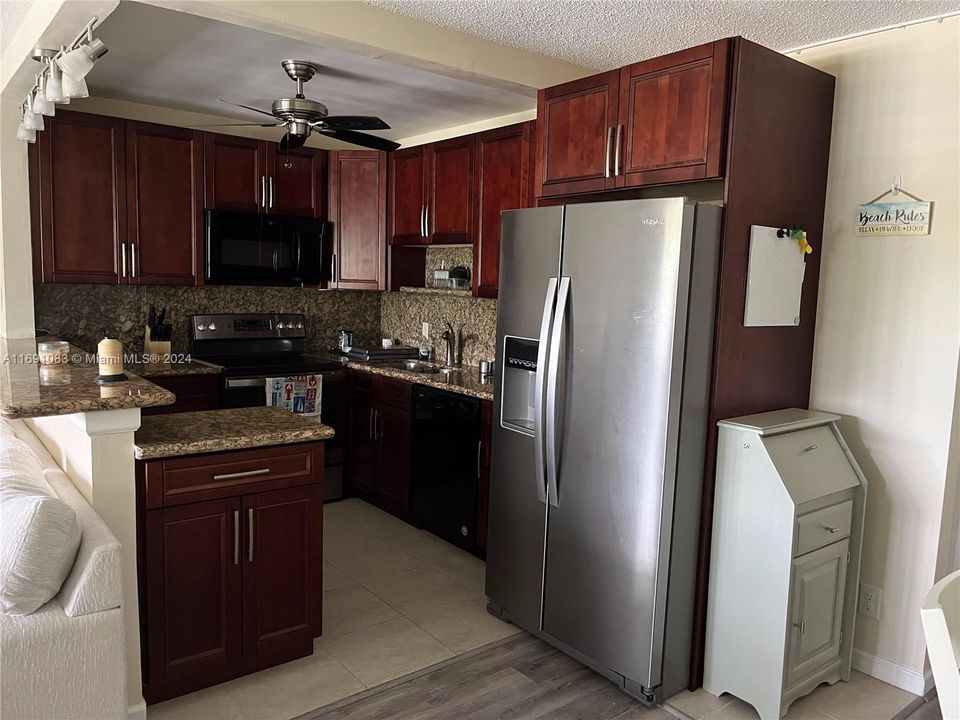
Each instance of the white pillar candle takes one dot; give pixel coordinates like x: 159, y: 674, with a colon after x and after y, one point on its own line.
x: 110, y: 357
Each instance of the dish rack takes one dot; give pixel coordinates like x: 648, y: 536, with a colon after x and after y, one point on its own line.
x: 450, y: 283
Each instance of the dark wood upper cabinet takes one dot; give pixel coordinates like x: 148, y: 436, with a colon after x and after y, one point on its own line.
x: 78, y: 171
x: 296, y: 180
x: 234, y: 173
x: 358, y: 212
x: 672, y: 117
x: 503, y: 182
x: 193, y: 584
x: 283, y: 560
x: 576, y: 128
x: 407, y: 197
x: 450, y: 191
x: 164, y: 185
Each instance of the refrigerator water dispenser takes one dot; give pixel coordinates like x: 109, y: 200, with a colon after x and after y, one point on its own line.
x: 519, y: 383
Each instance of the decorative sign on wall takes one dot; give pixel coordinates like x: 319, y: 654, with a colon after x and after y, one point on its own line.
x: 894, y: 218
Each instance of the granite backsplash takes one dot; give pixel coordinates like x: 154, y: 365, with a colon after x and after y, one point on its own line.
x: 84, y: 314
x: 474, y: 320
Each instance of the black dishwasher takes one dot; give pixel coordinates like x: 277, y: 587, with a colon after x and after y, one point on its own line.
x: 446, y: 445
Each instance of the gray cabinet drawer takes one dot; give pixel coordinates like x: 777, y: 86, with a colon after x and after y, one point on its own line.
x: 822, y: 527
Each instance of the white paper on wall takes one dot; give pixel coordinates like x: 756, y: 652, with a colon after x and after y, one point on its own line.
x: 774, y: 279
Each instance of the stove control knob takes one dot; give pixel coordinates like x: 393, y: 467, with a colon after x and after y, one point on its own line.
x: 201, y: 327
x: 212, y: 326
x: 299, y: 326
x: 280, y: 325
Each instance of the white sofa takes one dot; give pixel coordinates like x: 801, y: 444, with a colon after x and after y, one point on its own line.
x: 66, y: 660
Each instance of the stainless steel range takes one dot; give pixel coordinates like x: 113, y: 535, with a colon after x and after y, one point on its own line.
x: 251, y: 347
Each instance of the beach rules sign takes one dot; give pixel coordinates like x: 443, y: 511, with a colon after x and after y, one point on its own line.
x: 889, y: 218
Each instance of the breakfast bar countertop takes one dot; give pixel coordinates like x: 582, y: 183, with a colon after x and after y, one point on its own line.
x: 206, y: 431
x: 28, y: 389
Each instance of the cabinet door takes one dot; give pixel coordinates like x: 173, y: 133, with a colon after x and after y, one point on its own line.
x: 78, y: 169
x: 164, y: 204
x: 483, y: 473
x: 575, y: 134
x: 192, y: 568
x: 235, y: 175
x: 358, y: 211
x: 450, y: 191
x: 282, y: 565
x: 296, y: 180
x: 818, y: 580
x: 361, y: 448
x: 392, y: 429
x: 407, y: 201
x: 672, y: 113
x: 503, y: 183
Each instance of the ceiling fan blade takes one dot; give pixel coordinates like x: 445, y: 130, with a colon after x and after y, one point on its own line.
x: 269, y: 125
x: 291, y: 141
x: 361, y: 139
x: 247, y: 107
x: 353, y: 122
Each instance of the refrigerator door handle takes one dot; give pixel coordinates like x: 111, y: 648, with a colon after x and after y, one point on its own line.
x: 541, y: 377
x: 553, y: 370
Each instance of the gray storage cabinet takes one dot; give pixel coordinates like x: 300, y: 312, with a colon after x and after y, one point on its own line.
x: 784, y: 570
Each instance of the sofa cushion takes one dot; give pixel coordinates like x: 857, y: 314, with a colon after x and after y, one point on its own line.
x: 39, y: 533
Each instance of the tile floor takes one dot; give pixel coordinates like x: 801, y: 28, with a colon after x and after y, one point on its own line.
x: 863, y: 698
x: 395, y: 600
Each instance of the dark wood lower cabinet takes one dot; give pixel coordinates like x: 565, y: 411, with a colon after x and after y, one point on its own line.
x: 378, y: 448
x: 230, y: 585
x: 194, y: 392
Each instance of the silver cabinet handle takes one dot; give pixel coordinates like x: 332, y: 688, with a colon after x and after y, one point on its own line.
x: 606, y: 152
x: 236, y: 537
x: 426, y: 220
x: 540, y: 380
x: 831, y: 530
x: 377, y: 431
x: 333, y: 267
x: 245, y: 473
x: 423, y: 220
x: 802, y: 626
x: 616, y: 151
x: 811, y: 448
x: 133, y: 260
x: 479, y: 450
x: 370, y: 425
x: 553, y: 370
x: 123, y: 259
x: 263, y: 191
x: 250, y: 535
x: 245, y: 382
x: 273, y: 191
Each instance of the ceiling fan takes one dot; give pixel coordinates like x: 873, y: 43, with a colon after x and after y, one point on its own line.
x: 301, y: 116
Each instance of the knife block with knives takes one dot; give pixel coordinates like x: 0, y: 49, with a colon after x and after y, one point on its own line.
x: 156, y: 335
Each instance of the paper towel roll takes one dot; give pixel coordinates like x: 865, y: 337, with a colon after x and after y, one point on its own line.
x: 110, y: 360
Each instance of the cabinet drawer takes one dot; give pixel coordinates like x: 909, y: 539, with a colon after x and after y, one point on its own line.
x: 395, y: 392
x: 822, y: 527
x: 207, y: 477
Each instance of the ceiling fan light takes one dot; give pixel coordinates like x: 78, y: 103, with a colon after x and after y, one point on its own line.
x: 40, y: 102
x: 32, y: 120
x: 75, y: 88
x: 79, y: 62
x: 26, y: 134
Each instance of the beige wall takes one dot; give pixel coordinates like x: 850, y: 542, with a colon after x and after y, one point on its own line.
x: 888, y: 326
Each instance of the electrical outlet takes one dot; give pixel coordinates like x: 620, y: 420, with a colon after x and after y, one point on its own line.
x: 869, y: 604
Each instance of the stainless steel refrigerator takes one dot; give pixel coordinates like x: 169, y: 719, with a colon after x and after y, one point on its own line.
x: 604, y: 341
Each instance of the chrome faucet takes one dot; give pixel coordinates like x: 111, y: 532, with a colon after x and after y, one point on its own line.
x: 450, y: 337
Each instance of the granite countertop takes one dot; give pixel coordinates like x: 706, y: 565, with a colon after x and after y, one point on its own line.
x: 205, y: 431
x: 28, y: 389
x: 464, y: 380
x: 186, y: 367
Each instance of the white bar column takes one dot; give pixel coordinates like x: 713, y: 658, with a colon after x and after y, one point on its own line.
x: 96, y: 451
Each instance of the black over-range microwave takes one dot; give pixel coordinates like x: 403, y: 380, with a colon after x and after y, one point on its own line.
x: 253, y: 249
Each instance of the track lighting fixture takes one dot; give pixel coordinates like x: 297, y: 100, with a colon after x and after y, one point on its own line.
x: 62, y: 78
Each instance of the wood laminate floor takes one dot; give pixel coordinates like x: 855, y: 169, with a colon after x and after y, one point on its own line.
x: 522, y: 678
